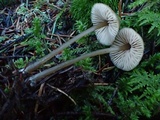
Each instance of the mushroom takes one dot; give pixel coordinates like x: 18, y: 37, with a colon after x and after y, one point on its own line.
x: 107, y: 34
x: 104, y: 22
x: 126, y: 53
x: 127, y: 59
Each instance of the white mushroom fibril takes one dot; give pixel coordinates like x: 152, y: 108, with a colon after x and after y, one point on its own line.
x: 102, y: 13
x: 127, y: 59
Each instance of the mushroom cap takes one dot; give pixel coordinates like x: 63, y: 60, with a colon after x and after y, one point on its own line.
x: 127, y: 59
x: 101, y: 13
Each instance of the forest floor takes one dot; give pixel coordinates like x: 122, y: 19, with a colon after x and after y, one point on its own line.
x: 18, y: 100
x: 49, y: 98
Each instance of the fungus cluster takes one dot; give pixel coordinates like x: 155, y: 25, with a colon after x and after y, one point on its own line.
x: 126, y: 48
x: 125, y: 52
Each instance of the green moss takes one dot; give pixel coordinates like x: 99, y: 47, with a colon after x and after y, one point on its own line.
x: 81, y: 9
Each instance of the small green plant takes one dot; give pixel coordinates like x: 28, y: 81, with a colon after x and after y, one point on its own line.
x: 139, y: 90
x: 20, y: 63
x: 7, y: 90
x: 69, y: 54
x: 22, y: 10
x: 37, y: 27
x: 80, y: 26
x: 145, y: 20
x: 86, y: 64
x: 39, y: 3
x: 2, y: 38
x: 36, y: 42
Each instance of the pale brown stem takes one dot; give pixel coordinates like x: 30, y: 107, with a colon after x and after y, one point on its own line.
x: 35, y: 78
x: 43, y: 60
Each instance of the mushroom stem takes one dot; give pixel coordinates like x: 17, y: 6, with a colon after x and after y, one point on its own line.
x: 43, y: 60
x: 35, y: 78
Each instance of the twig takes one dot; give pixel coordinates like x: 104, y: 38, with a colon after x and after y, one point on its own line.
x: 52, y: 5
x: 20, y: 39
x: 120, y: 8
x: 114, y: 93
x: 12, y: 57
x: 55, y: 22
x: 101, y: 69
x: 39, y: 94
x: 1, y: 91
x: 57, y: 89
x: 101, y: 84
x: 67, y: 36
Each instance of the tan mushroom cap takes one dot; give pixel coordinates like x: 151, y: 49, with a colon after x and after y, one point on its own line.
x: 102, y: 13
x: 127, y: 59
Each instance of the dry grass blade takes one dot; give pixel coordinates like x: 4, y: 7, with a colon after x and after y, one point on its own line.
x: 39, y: 94
x: 57, y: 89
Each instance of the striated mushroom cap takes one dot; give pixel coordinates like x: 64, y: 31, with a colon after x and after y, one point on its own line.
x: 102, y: 13
x: 127, y: 59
